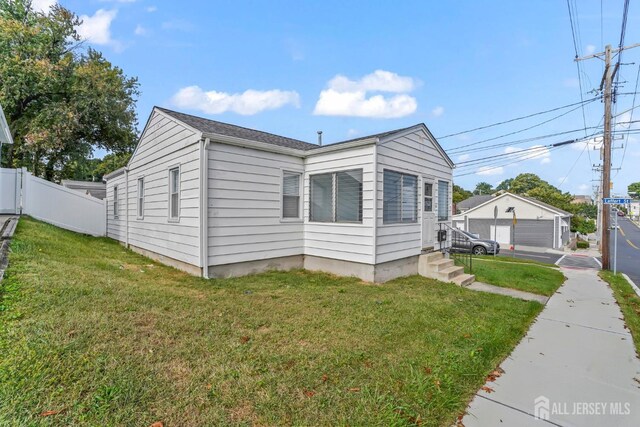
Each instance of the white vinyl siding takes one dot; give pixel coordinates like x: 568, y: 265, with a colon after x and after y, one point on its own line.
x: 410, y: 153
x: 349, y: 241
x: 115, y: 223
x: 245, y: 194
x: 400, y: 197
x: 140, y: 205
x: 336, y: 197
x: 291, y: 195
x: 443, y: 200
x: 164, y: 143
x: 174, y: 193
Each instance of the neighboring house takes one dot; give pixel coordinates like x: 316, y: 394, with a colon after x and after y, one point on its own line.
x: 220, y: 200
x: 634, y: 209
x: 538, y: 224
x: 582, y: 199
x: 95, y: 189
x: 472, y: 202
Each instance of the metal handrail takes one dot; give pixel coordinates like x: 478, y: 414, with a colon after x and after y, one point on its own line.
x: 456, y: 240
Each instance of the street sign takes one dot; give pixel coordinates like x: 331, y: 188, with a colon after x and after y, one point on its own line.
x: 615, y: 201
x: 495, y: 212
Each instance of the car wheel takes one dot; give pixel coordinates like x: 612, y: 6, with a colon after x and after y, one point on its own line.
x: 479, y: 250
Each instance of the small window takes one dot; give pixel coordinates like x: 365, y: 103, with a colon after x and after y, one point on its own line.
x: 140, y: 198
x: 400, y: 198
x: 443, y: 201
x: 291, y: 195
x: 174, y: 193
x: 336, y: 197
x: 115, y: 201
x: 428, y: 197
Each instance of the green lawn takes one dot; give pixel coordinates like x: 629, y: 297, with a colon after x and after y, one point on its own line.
x: 513, y: 260
x: 102, y: 336
x: 628, y: 301
x: 528, y: 277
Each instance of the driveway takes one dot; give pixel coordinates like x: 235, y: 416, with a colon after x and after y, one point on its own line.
x: 628, y: 249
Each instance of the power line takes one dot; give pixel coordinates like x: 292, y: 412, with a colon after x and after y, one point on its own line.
x: 525, y: 129
x: 486, y: 169
x: 515, y: 119
x: 586, y: 148
x: 633, y: 106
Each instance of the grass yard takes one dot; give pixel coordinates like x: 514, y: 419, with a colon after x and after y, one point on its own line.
x: 528, y: 277
x: 628, y: 301
x: 93, y: 334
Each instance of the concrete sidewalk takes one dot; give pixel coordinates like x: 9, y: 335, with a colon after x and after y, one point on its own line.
x: 576, y: 365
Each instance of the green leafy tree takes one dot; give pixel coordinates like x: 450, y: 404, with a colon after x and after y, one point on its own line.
x: 460, y: 194
x: 525, y: 182
x: 109, y: 163
x: 634, y: 189
x: 582, y: 225
x: 61, y: 101
x: 483, y: 188
x: 587, y: 210
x: 505, y: 185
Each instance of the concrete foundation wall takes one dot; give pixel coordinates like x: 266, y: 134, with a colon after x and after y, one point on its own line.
x: 255, y: 267
x: 398, y: 268
x: 171, y: 262
x: 380, y: 273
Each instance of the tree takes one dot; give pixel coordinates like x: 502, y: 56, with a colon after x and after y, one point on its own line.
x: 505, y: 185
x: 526, y: 182
x: 62, y: 101
x: 582, y: 225
x: 109, y: 163
x: 483, y: 188
x: 634, y: 189
x: 460, y: 194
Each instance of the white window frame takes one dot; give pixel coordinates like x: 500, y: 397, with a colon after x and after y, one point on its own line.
x: 334, y: 201
x: 116, y: 206
x: 449, y: 197
x: 169, y: 203
x: 140, y: 198
x: 418, y: 215
x: 426, y: 182
x: 300, y: 195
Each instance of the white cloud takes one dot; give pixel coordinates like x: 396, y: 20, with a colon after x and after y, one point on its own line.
x: 178, y: 25
x: 346, y: 97
x: 583, y: 187
x: 353, y: 132
x: 593, y: 143
x: 43, y: 5
x: 571, y: 82
x: 590, y: 49
x: 438, y: 111
x: 464, y: 157
x: 151, y: 9
x: 96, y: 29
x: 490, y: 170
x: 140, y: 30
x: 246, y: 103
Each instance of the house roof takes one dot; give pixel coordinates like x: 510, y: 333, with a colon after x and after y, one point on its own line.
x: 474, y: 201
x: 220, y: 128
x: 528, y: 199
x: 95, y: 189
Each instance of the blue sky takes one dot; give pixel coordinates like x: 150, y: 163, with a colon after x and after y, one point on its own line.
x: 356, y: 68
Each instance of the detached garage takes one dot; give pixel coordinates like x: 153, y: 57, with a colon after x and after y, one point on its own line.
x: 537, y: 224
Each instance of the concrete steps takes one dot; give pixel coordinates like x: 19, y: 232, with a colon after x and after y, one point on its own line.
x: 436, y: 266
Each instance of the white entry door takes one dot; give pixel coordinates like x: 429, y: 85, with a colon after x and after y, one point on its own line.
x: 503, y: 235
x: 428, y: 215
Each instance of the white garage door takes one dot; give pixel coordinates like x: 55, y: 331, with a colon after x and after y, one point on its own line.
x: 503, y: 235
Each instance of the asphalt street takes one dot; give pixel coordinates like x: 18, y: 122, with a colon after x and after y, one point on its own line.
x: 628, y: 248
x: 534, y: 256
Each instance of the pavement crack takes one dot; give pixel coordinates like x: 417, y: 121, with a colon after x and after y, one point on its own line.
x: 585, y: 326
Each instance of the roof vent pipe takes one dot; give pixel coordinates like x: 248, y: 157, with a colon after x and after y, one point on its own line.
x: 320, y: 138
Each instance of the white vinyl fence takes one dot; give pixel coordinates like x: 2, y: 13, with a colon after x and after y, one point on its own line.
x: 9, y: 191
x: 53, y: 203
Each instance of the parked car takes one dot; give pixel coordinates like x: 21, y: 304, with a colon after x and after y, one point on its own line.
x: 620, y: 213
x: 463, y: 241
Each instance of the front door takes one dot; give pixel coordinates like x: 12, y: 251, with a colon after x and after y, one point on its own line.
x: 428, y: 215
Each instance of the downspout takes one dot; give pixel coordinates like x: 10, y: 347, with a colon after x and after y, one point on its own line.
x: 375, y: 204
x: 204, y: 207
x: 126, y: 208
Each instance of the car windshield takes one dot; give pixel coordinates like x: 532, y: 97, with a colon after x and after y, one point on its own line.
x: 469, y: 235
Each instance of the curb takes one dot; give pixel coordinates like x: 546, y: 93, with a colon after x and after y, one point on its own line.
x: 633, y: 285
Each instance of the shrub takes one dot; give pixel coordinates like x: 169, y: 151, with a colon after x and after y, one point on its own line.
x: 582, y: 244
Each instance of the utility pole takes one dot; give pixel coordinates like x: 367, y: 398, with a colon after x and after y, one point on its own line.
x: 606, y: 85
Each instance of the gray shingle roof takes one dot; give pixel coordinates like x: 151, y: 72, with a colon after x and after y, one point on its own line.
x: 473, y: 201
x: 534, y: 200
x: 220, y: 128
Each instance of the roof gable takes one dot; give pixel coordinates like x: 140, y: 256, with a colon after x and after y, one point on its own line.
x: 525, y: 199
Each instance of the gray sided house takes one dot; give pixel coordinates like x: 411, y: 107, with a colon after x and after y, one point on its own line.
x: 220, y: 200
x: 538, y: 224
